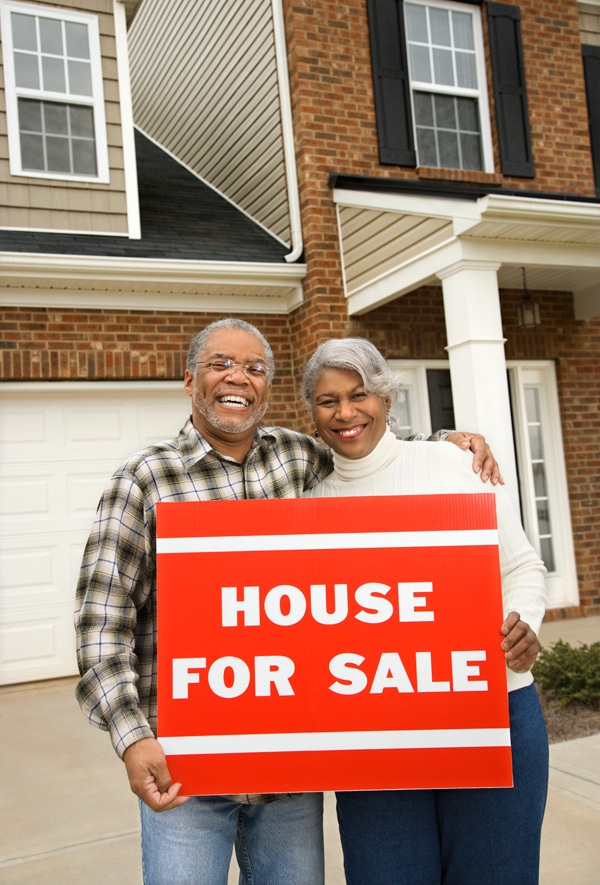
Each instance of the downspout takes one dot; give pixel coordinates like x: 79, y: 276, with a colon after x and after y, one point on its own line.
x: 289, y: 152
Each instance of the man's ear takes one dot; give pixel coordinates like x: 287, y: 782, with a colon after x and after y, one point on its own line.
x: 188, y: 382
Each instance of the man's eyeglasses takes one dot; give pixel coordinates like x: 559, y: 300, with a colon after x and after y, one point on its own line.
x: 228, y: 367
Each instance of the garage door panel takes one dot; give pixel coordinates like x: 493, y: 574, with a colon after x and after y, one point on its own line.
x: 26, y: 572
x: 38, y: 646
x: 156, y: 424
x: 26, y: 428
x: 83, y: 491
x: 23, y: 500
x: 34, y: 569
x: 18, y: 427
x: 95, y: 426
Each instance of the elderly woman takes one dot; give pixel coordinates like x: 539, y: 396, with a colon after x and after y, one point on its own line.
x: 453, y: 836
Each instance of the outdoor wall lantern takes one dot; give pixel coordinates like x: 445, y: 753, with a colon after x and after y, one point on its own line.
x: 529, y: 309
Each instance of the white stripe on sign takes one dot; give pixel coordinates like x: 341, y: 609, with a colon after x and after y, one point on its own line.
x: 433, y: 739
x: 340, y: 541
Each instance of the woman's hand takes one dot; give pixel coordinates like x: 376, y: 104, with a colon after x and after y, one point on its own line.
x: 520, y: 644
x: 483, y: 458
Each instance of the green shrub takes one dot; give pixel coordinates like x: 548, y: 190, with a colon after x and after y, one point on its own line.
x: 570, y: 674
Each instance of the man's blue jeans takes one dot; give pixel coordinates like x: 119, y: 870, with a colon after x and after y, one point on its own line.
x: 455, y: 837
x: 280, y: 843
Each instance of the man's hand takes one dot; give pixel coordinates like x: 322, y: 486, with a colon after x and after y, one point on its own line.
x: 520, y: 644
x: 482, y: 455
x: 149, y: 776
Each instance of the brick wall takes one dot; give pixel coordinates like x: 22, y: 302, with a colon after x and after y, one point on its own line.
x: 106, y: 345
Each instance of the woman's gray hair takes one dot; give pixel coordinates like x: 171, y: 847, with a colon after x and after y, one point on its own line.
x: 357, y: 355
x: 199, y: 344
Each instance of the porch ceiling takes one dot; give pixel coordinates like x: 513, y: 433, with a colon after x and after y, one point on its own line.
x: 394, y: 243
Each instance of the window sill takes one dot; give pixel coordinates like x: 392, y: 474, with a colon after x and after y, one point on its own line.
x: 462, y: 175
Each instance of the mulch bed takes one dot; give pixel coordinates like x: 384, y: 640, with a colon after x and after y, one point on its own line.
x: 570, y: 721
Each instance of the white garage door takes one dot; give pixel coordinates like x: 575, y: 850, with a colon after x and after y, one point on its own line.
x: 59, y: 443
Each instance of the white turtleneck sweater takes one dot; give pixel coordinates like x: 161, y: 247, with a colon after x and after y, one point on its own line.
x: 396, y: 467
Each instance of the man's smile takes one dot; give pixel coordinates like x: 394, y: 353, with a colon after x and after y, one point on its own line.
x: 233, y: 400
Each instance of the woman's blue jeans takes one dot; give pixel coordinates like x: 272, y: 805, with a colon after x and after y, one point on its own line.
x: 280, y: 843
x: 455, y: 837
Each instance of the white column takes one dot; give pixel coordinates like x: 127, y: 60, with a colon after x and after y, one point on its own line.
x: 477, y: 362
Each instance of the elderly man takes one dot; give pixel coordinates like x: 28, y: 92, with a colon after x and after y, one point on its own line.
x: 221, y: 452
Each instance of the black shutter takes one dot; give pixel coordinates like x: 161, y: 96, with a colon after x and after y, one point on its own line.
x: 391, y: 83
x: 591, y: 70
x: 516, y: 156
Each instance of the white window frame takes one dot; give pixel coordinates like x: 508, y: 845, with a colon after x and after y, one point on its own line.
x: 13, y: 93
x: 480, y: 94
x: 561, y: 584
x: 414, y: 380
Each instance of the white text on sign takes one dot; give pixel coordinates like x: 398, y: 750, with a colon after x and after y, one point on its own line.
x: 286, y: 604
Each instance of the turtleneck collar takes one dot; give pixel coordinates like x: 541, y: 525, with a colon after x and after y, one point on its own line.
x: 387, y: 450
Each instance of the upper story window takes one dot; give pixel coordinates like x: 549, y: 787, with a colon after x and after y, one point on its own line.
x: 430, y: 85
x: 448, y: 86
x: 54, y: 94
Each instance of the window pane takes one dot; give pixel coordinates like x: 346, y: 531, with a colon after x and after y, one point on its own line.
x: 532, y: 404
x: 84, y: 157
x: 539, y: 480
x: 442, y: 67
x: 470, y: 149
x: 77, y: 40
x: 82, y: 122
x: 80, y: 77
x: 24, y: 32
x: 467, y: 114
x: 535, y: 442
x: 426, y: 147
x: 57, y: 149
x: 30, y: 115
x: 402, y: 412
x: 440, y: 27
x: 53, y: 72
x: 423, y: 108
x: 420, y: 64
x: 543, y: 517
x: 466, y: 71
x: 55, y: 119
x: 416, y: 23
x: 26, y: 71
x: 445, y: 114
x: 547, y: 554
x: 51, y: 38
x: 32, y: 152
x: 448, y: 146
x: 462, y: 29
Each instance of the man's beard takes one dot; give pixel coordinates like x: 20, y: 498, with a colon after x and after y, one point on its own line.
x: 222, y: 424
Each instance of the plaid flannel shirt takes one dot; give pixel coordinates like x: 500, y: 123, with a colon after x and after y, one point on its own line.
x: 115, y: 616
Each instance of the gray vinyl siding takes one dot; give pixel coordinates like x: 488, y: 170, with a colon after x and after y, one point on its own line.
x: 204, y: 86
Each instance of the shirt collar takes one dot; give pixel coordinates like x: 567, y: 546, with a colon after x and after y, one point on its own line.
x: 194, y: 447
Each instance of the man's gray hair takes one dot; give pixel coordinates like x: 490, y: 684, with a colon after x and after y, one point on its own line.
x: 357, y: 355
x: 199, y: 344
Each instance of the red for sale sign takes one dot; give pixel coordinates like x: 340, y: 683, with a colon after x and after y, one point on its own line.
x: 331, y: 644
